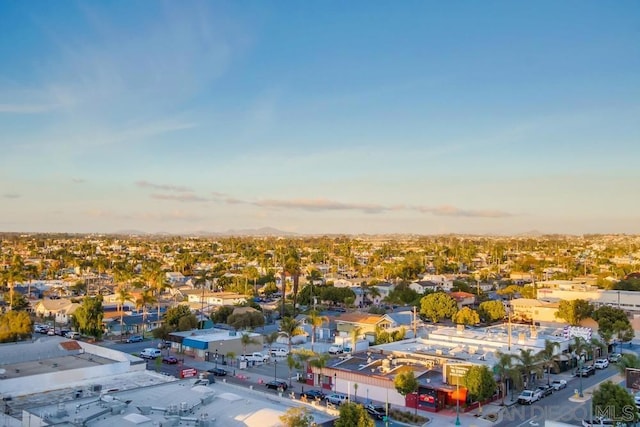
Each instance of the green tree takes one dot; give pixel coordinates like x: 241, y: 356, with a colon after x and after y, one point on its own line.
x: 88, y: 317
x: 245, y: 340
x: 438, y: 306
x: 547, y: 357
x: 315, y: 320
x: 247, y: 320
x: 490, y: 311
x: 296, y: 416
x: 613, y: 321
x: 528, y: 364
x: 354, y: 334
x: 222, y: 314
x: 353, y: 415
x: 405, y: 383
x: 174, y: 315
x: 122, y: 295
x: 480, y: 383
x: 574, y: 311
x: 289, y: 328
x: 14, y: 326
x: 609, y: 396
x: 504, y: 369
x: 628, y: 361
x: 269, y: 339
x: 466, y: 316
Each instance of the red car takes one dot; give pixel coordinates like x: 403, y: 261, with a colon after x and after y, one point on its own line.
x: 170, y: 360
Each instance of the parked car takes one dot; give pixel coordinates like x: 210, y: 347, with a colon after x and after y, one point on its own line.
x: 615, y: 357
x: 586, y: 371
x: 218, y: 372
x: 150, y: 353
x: 336, y: 349
x: 377, y: 411
x: 73, y: 335
x: 279, y: 352
x: 558, y: 384
x: 544, y: 390
x: 336, y: 398
x: 601, y: 364
x: 527, y: 397
x: 313, y: 394
x: 169, y: 360
x: 277, y: 384
x: 598, y: 422
x: 135, y: 338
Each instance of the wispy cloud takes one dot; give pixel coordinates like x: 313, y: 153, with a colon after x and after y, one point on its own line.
x: 179, y: 197
x: 11, y: 196
x: 165, y: 187
x: 320, y: 205
x: 78, y: 180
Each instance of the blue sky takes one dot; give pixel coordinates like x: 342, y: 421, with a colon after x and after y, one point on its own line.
x: 320, y: 117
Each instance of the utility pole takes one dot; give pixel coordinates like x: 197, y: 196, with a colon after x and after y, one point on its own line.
x: 415, y: 324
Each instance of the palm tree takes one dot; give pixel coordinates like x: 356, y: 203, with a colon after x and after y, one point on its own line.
x: 354, y: 334
x: 270, y: 339
x: 122, y: 295
x: 594, y: 344
x: 145, y: 299
x: 292, y: 266
x: 528, y: 364
x: 315, y: 320
x: 201, y: 281
x: 290, y: 327
x: 252, y: 273
x: 547, y: 357
x: 320, y: 362
x: 157, y: 281
x: 245, y: 340
x: 504, y: 368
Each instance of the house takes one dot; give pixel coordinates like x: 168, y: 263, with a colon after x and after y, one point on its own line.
x: 61, y: 309
x: 214, y: 298
x: 464, y: 299
x: 424, y: 286
x: 384, y: 289
x: 365, y: 321
x: 175, y: 277
x: 445, y: 282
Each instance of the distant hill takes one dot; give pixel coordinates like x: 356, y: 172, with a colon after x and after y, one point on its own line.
x: 264, y: 231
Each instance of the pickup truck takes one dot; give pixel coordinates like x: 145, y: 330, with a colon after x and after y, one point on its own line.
x: 255, y: 357
x: 527, y: 397
x: 279, y: 352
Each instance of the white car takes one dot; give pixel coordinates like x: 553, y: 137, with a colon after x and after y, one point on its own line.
x: 527, y: 397
x: 279, y: 352
x: 601, y: 363
x: 558, y: 384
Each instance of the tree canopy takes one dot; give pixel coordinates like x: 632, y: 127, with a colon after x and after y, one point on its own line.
x: 14, y: 326
x: 480, y: 382
x: 614, y: 397
x: 296, y: 416
x: 180, y: 318
x: 353, y: 415
x: 438, y: 306
x: 466, y: 316
x: 613, y: 321
x: 574, y: 311
x: 88, y: 317
x: 490, y: 311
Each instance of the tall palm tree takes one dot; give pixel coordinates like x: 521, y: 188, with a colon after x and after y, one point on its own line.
x: 528, y: 364
x: 245, y: 340
x: 594, y: 344
x: 292, y: 266
x: 144, y: 300
x: 270, y: 339
x: 354, y: 334
x: 290, y: 327
x: 202, y: 281
x: 504, y: 368
x: 547, y: 357
x: 122, y: 295
x: 157, y: 281
x: 316, y: 321
x: 320, y: 362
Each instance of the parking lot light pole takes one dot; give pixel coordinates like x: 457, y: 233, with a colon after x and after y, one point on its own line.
x: 215, y: 357
x: 275, y: 365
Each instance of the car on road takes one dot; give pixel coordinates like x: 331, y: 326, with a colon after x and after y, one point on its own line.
x: 255, y: 357
x: 279, y: 352
x: 313, y: 394
x: 377, y: 411
x: 615, y: 357
x: 558, y: 384
x: 586, y: 371
x: 218, y: 372
x: 72, y: 335
x: 169, y: 360
x: 277, y: 384
x: 135, y: 338
x: 336, y: 398
x: 545, y: 390
x: 601, y: 363
x: 527, y: 397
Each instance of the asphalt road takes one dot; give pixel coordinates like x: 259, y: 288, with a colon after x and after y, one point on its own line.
x: 556, y: 407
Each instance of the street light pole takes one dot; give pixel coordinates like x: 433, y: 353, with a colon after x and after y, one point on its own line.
x: 458, y: 400
x: 275, y: 365
x: 216, y: 358
x: 580, y: 364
